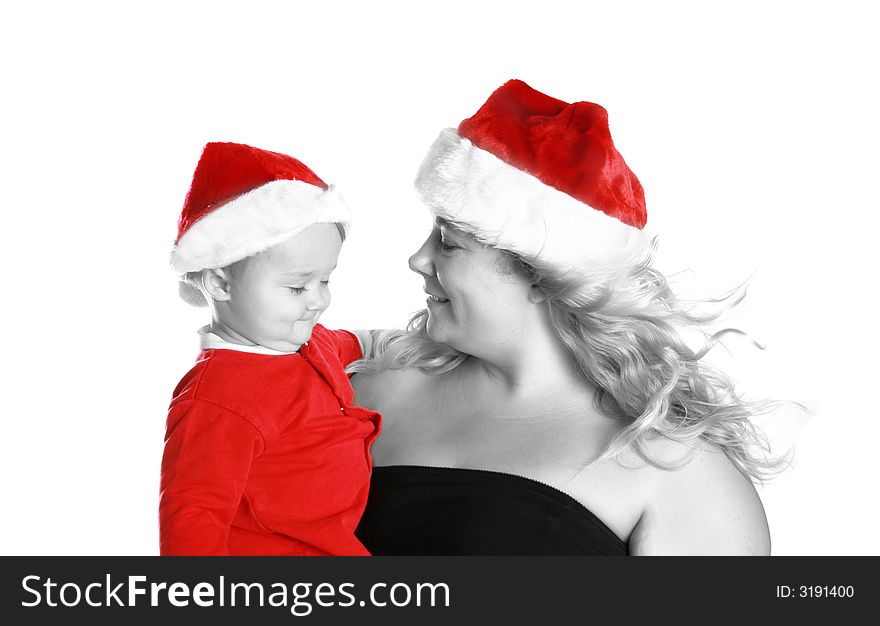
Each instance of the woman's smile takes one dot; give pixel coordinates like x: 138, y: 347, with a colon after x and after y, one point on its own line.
x: 433, y: 297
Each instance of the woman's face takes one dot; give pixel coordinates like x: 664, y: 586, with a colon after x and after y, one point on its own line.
x: 476, y: 303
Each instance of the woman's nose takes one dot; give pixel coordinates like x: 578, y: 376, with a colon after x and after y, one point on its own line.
x: 422, y: 261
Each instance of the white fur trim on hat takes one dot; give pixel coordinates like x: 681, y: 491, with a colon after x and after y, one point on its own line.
x: 509, y: 208
x: 255, y: 221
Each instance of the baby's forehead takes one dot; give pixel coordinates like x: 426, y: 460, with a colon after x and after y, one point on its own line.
x: 289, y: 263
x: 294, y: 258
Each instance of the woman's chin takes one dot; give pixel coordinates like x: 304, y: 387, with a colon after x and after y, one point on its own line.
x: 440, y: 334
x: 434, y: 331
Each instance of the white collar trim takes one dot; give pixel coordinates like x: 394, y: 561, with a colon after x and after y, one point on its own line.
x: 211, y: 341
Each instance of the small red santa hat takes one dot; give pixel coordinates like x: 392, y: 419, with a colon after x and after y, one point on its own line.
x: 244, y: 200
x: 539, y: 177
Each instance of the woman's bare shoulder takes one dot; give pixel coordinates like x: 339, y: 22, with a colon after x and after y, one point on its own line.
x: 705, y: 507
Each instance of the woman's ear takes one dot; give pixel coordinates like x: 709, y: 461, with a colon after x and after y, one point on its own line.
x: 536, y: 294
x: 215, y: 282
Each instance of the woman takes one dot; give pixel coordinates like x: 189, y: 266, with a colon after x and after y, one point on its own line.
x: 544, y: 402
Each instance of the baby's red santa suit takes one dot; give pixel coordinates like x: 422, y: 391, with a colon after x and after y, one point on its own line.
x: 265, y: 452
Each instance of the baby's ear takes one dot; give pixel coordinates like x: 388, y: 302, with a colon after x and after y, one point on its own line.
x: 215, y: 282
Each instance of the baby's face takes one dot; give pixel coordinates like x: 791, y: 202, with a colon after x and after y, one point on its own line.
x: 277, y: 297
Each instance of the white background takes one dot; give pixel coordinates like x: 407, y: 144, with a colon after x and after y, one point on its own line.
x: 753, y: 129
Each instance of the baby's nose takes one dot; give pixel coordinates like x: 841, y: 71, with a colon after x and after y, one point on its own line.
x: 317, y: 301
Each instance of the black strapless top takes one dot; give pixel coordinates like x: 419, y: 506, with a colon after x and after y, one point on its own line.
x: 420, y: 510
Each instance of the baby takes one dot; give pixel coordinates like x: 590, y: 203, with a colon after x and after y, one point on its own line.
x: 265, y: 453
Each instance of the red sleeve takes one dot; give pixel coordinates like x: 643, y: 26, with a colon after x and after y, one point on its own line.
x: 208, y: 455
x: 347, y: 345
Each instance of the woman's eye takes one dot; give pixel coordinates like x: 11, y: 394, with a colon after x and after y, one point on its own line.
x: 325, y: 282
x: 297, y: 290
x: 446, y: 246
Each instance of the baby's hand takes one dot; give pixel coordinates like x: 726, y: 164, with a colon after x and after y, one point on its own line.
x: 365, y: 338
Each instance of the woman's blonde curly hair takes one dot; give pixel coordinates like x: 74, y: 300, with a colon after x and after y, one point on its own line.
x: 624, y: 332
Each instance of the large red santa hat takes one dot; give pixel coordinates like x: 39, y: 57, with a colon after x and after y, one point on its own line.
x: 244, y: 200
x: 540, y: 177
